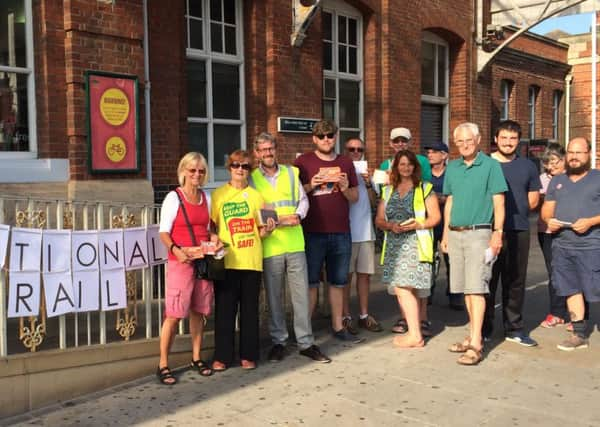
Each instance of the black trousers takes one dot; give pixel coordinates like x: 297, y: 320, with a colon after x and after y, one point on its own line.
x: 239, y: 289
x: 511, y: 269
x: 558, y: 304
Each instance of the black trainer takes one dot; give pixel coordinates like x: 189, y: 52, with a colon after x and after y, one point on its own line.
x: 313, y: 352
x: 277, y: 353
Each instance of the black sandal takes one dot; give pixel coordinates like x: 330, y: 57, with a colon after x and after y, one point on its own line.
x: 165, y: 376
x: 202, y: 367
x: 400, y: 327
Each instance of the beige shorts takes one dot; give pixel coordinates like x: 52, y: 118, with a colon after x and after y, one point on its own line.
x: 469, y: 273
x: 363, y: 258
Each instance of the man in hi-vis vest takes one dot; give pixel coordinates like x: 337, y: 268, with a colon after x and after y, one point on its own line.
x: 283, y: 251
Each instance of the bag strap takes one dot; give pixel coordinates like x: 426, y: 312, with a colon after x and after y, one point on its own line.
x: 187, y: 220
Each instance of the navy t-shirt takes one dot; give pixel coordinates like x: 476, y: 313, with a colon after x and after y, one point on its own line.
x: 522, y: 176
x: 576, y: 200
x: 438, y: 188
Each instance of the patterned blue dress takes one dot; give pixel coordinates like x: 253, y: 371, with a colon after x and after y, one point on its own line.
x: 402, y: 267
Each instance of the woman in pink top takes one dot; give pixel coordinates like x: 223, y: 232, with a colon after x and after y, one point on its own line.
x: 185, y: 294
x: 553, y: 161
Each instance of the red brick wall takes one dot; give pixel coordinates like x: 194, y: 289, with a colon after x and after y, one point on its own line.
x: 70, y: 38
x: 280, y: 80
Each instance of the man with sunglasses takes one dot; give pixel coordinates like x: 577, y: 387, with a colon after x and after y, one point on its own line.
x: 362, y: 261
x: 284, y: 259
x: 331, y: 184
x: 400, y: 140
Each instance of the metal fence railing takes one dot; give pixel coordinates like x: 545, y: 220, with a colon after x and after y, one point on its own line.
x: 140, y: 320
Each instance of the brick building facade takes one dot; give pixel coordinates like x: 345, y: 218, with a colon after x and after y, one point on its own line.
x: 222, y: 71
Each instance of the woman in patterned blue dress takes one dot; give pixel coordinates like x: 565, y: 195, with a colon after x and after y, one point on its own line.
x: 404, y: 271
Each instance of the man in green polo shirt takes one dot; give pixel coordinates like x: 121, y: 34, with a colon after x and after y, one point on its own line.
x: 473, y: 221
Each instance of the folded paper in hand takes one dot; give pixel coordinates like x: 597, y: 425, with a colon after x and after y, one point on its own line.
x: 490, y: 258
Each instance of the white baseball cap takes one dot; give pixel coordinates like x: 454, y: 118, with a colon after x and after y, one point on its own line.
x: 400, y: 132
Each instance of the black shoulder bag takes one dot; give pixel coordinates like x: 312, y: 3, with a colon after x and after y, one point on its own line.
x: 209, y: 267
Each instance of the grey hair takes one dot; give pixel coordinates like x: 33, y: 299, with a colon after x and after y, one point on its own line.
x: 471, y: 127
x: 552, y: 150
x: 264, y: 137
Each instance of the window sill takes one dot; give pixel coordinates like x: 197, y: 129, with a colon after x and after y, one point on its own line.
x: 33, y: 170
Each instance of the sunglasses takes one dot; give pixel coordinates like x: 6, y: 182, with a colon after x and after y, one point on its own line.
x: 328, y: 135
x: 237, y: 165
x: 200, y: 171
x: 356, y: 150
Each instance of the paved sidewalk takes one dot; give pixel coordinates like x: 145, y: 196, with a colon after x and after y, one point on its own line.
x: 373, y: 383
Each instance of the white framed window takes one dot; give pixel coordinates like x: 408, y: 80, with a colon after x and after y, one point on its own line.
x: 532, y: 94
x: 17, y: 81
x: 215, y: 81
x: 505, y: 91
x: 556, y: 98
x: 435, y: 77
x: 343, y: 69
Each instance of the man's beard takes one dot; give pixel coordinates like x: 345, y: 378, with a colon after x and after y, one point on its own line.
x: 578, y: 170
x: 506, y: 153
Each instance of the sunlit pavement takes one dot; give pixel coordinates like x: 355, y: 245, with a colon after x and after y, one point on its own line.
x: 373, y: 383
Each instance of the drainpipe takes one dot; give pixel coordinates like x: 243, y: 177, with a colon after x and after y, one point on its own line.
x: 148, y: 132
x: 594, y: 85
x: 568, y: 80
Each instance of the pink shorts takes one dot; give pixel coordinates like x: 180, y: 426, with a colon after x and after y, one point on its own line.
x: 184, y: 292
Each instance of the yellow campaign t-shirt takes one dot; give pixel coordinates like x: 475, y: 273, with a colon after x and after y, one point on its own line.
x: 235, y: 211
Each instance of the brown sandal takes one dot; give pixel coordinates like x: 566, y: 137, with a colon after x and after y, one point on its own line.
x: 460, y: 347
x: 470, y: 359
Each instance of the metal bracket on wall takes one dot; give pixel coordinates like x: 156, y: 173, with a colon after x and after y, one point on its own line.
x: 524, y: 14
x: 304, y: 12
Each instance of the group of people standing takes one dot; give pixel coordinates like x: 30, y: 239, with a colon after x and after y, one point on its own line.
x: 476, y: 207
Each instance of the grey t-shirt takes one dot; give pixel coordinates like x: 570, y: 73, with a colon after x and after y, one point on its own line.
x: 576, y: 200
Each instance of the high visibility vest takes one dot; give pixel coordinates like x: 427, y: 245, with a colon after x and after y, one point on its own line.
x: 424, y: 237
x: 284, y: 198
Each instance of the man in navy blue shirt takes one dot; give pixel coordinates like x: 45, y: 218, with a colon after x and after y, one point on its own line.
x: 572, y: 211
x: 437, y: 154
x: 510, y: 268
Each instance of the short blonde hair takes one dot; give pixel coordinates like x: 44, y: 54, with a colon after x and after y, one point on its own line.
x: 191, y: 157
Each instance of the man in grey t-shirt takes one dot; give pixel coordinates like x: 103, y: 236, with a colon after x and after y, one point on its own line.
x: 572, y: 211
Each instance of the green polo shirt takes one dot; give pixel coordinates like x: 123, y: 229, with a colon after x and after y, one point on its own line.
x: 472, y: 188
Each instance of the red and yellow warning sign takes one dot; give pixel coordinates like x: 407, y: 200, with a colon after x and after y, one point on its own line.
x: 113, y: 130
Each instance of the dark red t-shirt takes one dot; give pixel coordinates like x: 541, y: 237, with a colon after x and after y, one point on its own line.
x: 329, y: 210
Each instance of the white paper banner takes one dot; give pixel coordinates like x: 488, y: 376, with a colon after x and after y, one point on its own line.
x: 23, y: 294
x: 58, y: 291
x: 136, y: 248
x: 4, y: 230
x: 113, y: 290
x: 157, y: 252
x: 25, y: 249
x: 56, y: 251
x: 110, y: 249
x: 86, y: 288
x: 84, y: 250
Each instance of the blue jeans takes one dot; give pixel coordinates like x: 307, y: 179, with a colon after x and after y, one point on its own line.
x: 335, y: 249
x: 276, y: 271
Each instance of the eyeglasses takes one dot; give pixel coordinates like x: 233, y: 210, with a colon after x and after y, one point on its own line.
x: 237, y: 165
x: 356, y: 150
x: 265, y: 150
x: 464, y: 142
x: 330, y: 135
x: 194, y: 171
x: 400, y: 140
x: 577, y: 153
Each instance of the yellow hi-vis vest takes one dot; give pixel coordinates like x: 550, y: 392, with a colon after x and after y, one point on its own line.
x: 424, y: 237
x: 284, y: 198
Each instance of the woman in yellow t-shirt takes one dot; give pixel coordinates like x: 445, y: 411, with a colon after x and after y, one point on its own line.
x: 235, y: 210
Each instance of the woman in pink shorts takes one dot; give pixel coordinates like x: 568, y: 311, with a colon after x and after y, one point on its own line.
x: 185, y: 295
